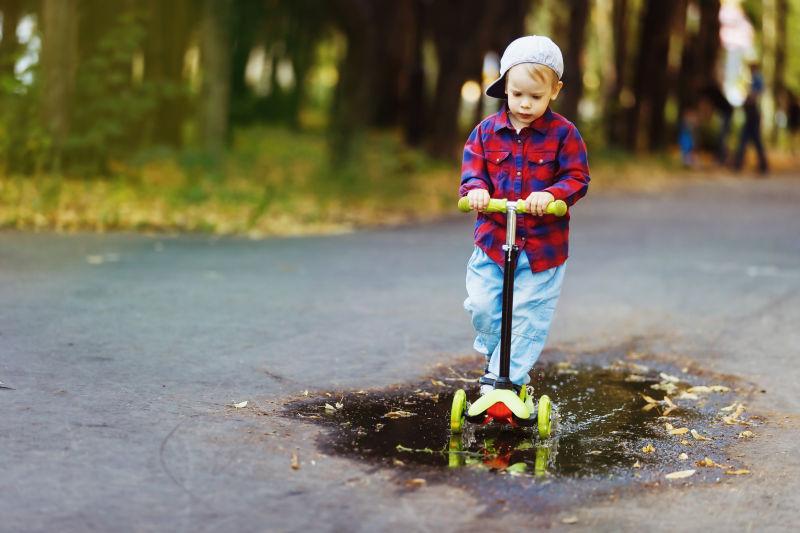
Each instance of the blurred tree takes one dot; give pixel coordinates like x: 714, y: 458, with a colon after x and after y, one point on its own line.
x: 573, y: 59
x: 652, y: 75
x: 216, y: 66
x: 700, y: 53
x: 461, y: 45
x: 169, y: 26
x: 9, y: 45
x: 58, y: 70
x: 615, y: 108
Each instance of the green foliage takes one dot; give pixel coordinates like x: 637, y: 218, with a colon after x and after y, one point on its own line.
x: 109, y: 105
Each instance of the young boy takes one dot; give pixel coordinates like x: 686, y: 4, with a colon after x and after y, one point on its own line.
x: 524, y: 151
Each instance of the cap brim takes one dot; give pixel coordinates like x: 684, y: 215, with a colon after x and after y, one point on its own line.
x: 497, y: 89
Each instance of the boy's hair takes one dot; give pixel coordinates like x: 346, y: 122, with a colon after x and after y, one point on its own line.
x: 539, y: 72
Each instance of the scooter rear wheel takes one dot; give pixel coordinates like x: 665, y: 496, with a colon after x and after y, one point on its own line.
x: 544, y: 416
x: 457, y: 411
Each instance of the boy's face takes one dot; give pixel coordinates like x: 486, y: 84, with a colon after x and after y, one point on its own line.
x: 529, y: 96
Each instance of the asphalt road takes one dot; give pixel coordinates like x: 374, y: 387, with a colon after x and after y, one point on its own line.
x: 124, y: 350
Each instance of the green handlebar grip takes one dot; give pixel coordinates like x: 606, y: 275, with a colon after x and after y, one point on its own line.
x: 498, y: 205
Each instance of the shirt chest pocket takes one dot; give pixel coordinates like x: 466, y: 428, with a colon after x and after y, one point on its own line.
x: 498, y: 164
x: 542, y: 168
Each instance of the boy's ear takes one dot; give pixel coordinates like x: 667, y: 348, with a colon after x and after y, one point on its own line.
x: 557, y: 90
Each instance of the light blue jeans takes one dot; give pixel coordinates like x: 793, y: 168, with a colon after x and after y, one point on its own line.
x: 535, y: 298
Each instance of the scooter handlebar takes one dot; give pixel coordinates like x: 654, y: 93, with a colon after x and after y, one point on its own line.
x: 498, y: 205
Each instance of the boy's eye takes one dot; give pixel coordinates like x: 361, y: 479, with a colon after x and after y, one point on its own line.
x: 515, y: 93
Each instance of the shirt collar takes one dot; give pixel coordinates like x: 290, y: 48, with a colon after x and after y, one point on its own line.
x: 541, y: 124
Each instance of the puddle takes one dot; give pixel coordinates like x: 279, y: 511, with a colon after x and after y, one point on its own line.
x: 608, y: 430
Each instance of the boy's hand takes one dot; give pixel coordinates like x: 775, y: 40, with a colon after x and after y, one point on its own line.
x: 537, y: 202
x: 478, y: 199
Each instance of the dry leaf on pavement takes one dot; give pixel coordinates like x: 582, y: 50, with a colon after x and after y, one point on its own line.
x: 739, y: 472
x: 398, y: 414
x: 649, y: 448
x: 295, y: 461
x: 697, y: 436
x: 680, y: 474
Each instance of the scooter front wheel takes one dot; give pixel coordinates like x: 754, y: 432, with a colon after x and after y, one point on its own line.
x: 457, y: 411
x: 545, y: 419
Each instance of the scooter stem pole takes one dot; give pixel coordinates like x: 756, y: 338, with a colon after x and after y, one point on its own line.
x: 510, y: 266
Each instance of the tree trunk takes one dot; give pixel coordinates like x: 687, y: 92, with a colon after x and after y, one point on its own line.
x: 414, y: 108
x: 699, y: 58
x: 615, y: 106
x: 352, y: 105
x: 215, y: 57
x: 168, y: 38
x: 573, y: 60
x: 652, y: 78
x: 9, y: 46
x: 58, y: 68
x: 461, y: 59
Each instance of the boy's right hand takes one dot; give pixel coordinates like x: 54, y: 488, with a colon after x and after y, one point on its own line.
x: 478, y: 199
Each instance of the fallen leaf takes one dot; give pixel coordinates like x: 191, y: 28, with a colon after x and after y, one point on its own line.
x: 305, y: 393
x: 697, y: 436
x: 295, y: 461
x: 706, y: 462
x: 398, y: 462
x: 415, y: 483
x: 679, y: 431
x: 684, y: 442
x: 740, y: 472
x: 687, y: 396
x: 649, y: 406
x: 240, y: 404
x: 746, y: 434
x: 570, y: 520
x: 398, y: 414
x: 648, y: 399
x: 594, y: 452
x: 438, y: 383
x: 666, y: 386
x: 699, y: 389
x: 680, y: 474
x: 637, y: 464
x: 669, y: 402
x: 729, y: 408
x: 668, y: 426
x: 669, y: 378
x: 635, y: 378
x: 683, y: 456
x: 668, y: 410
x: 649, y: 448
x: 329, y: 408
x: 719, y: 388
x: 338, y: 405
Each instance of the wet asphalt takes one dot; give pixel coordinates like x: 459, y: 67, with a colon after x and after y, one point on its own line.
x: 125, y: 352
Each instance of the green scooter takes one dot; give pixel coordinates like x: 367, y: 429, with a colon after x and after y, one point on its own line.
x: 503, y: 405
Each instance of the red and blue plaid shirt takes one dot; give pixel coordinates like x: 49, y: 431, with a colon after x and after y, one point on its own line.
x: 549, y: 155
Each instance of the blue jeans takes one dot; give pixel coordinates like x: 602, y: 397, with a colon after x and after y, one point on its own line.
x: 535, y: 298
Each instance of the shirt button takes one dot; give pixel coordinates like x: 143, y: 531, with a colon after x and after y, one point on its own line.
x: 498, y: 159
x: 541, y: 161
x: 519, y: 173
x: 519, y: 141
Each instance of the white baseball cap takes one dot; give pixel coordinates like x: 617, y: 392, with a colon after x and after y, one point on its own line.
x: 528, y: 49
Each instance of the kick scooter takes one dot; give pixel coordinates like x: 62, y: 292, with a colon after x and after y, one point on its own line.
x: 503, y: 405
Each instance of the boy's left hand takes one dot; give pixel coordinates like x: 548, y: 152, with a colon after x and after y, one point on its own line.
x: 537, y: 202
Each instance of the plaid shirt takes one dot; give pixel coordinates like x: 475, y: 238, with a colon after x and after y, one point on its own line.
x: 549, y: 155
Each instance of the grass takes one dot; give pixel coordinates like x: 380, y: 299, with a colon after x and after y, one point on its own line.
x: 275, y: 182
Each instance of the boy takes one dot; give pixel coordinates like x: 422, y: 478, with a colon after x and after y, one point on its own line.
x: 524, y: 151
